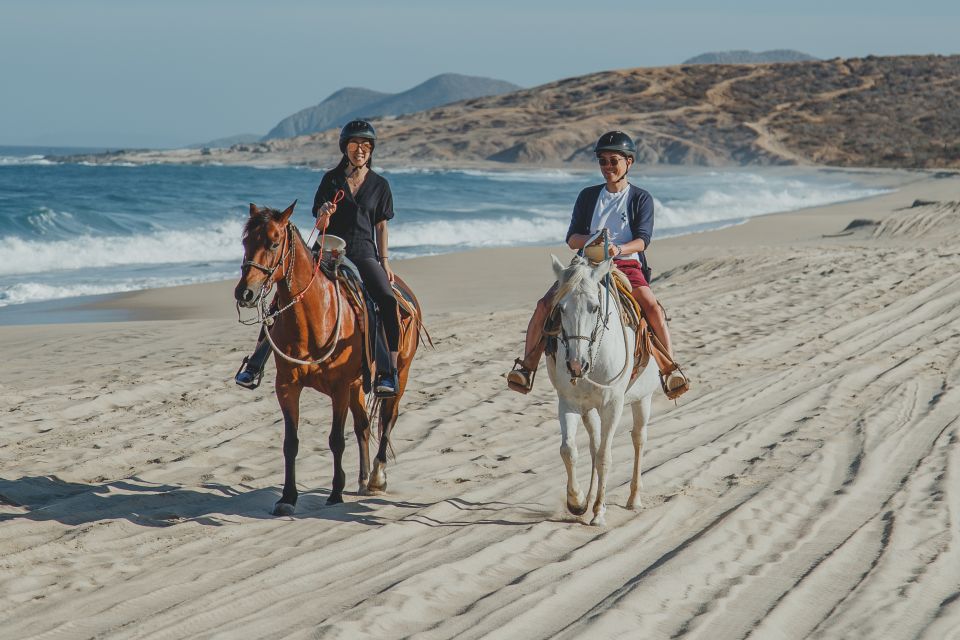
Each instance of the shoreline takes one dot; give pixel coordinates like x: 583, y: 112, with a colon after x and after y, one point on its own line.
x: 196, y: 301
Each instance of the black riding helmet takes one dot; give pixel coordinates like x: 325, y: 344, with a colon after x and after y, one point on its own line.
x: 616, y: 141
x: 357, y: 129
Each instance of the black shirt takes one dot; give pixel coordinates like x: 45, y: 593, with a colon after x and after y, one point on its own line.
x: 356, y: 215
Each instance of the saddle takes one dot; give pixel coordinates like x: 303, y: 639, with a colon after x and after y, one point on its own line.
x: 336, y: 265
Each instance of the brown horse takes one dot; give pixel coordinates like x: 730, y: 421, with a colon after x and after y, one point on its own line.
x: 317, y: 343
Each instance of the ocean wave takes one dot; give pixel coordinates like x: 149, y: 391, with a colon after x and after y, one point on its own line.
x: 478, y: 233
x: 216, y: 243
x: 87, y: 163
x: 522, y: 175
x: 715, y: 205
x: 443, y: 210
x: 34, y: 160
x: 23, y: 292
x: 45, y: 220
x: 532, y: 175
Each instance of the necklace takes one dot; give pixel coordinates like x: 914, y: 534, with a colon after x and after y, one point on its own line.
x: 355, y: 179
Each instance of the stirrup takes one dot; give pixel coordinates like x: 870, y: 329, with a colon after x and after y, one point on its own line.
x: 676, y: 392
x: 255, y: 376
x: 388, y: 390
x: 520, y: 378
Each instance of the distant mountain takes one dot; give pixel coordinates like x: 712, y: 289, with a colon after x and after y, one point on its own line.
x: 349, y: 103
x: 336, y: 110
x: 750, y: 57
x: 900, y: 111
x: 227, y: 142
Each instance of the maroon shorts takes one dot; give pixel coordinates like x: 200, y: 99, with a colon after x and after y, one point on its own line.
x: 631, y: 269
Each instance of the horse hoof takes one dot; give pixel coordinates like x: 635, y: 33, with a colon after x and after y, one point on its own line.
x: 577, y: 510
x: 376, y: 490
x: 334, y: 499
x: 633, y: 504
x: 598, y: 521
x: 283, y: 509
x: 577, y: 505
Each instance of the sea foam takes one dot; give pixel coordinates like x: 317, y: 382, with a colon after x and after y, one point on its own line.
x: 217, y: 243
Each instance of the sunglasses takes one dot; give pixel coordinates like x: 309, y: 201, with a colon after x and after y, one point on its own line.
x: 612, y: 161
x: 366, y: 146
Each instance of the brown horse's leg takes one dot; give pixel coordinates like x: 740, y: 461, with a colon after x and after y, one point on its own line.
x: 338, y: 443
x: 361, y: 427
x: 289, y: 398
x: 390, y: 407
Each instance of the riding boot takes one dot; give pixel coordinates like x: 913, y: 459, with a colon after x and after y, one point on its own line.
x: 251, y: 369
x: 524, y: 371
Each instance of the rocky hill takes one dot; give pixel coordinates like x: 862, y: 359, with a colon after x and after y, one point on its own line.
x: 353, y: 102
x: 228, y: 141
x: 887, y: 112
x: 750, y: 57
x: 334, y: 109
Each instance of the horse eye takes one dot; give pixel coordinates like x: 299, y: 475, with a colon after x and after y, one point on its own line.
x: 274, y: 246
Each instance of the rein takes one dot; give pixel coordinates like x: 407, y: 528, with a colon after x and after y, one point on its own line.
x: 263, y: 313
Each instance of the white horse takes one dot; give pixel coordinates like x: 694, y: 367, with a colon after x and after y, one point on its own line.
x: 591, y: 372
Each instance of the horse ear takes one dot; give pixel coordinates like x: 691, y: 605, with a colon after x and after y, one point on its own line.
x: 287, y: 213
x: 557, y: 266
x: 253, y: 210
x: 601, y: 270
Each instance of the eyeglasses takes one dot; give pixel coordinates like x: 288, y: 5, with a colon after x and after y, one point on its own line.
x: 361, y: 144
x: 612, y: 161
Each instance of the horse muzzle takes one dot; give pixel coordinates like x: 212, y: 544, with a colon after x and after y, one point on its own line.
x: 577, y: 368
x: 245, y: 296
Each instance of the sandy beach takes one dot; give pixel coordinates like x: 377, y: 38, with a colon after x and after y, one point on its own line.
x: 806, y: 487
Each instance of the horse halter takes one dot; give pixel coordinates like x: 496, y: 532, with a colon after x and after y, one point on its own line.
x: 288, y: 250
x: 271, y: 270
x: 593, y: 339
x: 267, y: 318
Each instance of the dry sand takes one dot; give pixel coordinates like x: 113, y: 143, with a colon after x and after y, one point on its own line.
x: 807, y: 487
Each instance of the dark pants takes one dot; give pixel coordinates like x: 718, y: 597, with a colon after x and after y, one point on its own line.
x: 378, y: 286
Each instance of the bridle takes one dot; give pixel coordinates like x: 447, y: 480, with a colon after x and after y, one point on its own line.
x: 594, y: 340
x: 266, y: 318
x: 269, y: 271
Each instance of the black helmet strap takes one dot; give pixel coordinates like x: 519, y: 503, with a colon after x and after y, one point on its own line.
x: 626, y: 169
x: 356, y: 167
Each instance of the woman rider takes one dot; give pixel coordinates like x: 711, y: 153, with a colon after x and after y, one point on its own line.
x: 627, y: 212
x: 361, y: 220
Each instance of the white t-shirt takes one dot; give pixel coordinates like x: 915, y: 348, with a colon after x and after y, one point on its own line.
x: 611, y: 212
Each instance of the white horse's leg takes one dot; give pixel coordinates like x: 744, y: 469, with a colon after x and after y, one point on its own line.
x: 569, y: 420
x: 591, y: 420
x: 641, y: 416
x: 609, y: 417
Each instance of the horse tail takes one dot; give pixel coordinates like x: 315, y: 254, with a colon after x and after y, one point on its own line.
x: 374, y: 408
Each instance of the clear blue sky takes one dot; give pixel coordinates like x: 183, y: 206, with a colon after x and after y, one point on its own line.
x: 174, y: 72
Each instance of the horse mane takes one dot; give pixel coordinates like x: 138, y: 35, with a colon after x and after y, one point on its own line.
x: 260, y: 219
x: 265, y: 215
x: 571, y: 278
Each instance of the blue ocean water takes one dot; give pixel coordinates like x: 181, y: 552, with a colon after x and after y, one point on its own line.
x: 71, y: 230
